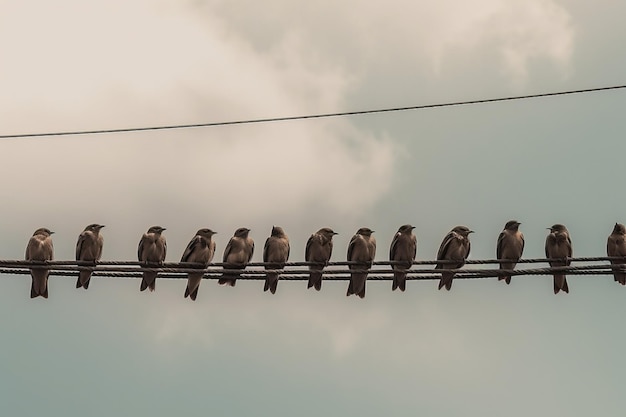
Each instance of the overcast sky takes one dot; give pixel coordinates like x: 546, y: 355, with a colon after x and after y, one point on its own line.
x: 483, y: 349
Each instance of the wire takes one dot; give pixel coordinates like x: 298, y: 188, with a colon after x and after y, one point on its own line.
x: 336, y: 271
x: 310, y: 116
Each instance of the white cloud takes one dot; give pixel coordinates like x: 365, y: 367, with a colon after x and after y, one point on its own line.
x: 399, y: 36
x: 89, y: 66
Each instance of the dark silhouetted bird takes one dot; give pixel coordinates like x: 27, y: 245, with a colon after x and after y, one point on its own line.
x: 510, y: 246
x: 319, y: 249
x: 616, y: 246
x: 151, y: 250
x: 275, y: 254
x: 362, y: 249
x: 200, y: 250
x: 455, y: 247
x: 237, y: 254
x: 40, y: 248
x: 403, y: 248
x: 88, y: 249
x: 559, y: 246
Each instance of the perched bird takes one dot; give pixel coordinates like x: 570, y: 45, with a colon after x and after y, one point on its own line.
x: 40, y: 248
x: 616, y: 246
x: 88, y: 248
x: 275, y: 252
x: 200, y: 250
x: 510, y: 246
x: 151, y: 250
x: 237, y: 254
x: 362, y: 249
x: 319, y: 248
x: 403, y: 248
x: 455, y: 247
x: 559, y: 245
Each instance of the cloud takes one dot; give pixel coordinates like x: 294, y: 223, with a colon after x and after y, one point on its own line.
x: 150, y: 64
x: 400, y: 37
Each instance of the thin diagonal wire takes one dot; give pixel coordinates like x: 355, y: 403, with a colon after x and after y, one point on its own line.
x: 310, y: 116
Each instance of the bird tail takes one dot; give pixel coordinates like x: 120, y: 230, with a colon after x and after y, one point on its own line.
x: 193, y: 294
x: 357, y: 284
x: 619, y: 275
x: 506, y: 266
x: 399, y: 280
x: 193, y: 283
x: 271, y: 282
x: 83, y: 279
x: 148, y: 281
x: 446, y: 280
x: 315, y: 280
x: 560, y: 283
x: 506, y: 278
x: 39, y: 285
x: 227, y: 281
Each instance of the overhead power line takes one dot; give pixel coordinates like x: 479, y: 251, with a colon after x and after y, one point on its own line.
x: 299, y: 270
x: 309, y: 116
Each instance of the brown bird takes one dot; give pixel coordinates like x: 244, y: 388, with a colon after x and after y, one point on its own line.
x: 276, y: 253
x: 88, y: 249
x: 403, y: 248
x: 237, y: 254
x: 152, y: 249
x: 200, y: 250
x: 510, y: 246
x: 319, y: 249
x: 362, y: 249
x: 455, y: 247
x: 616, y: 246
x: 40, y: 248
x: 559, y: 245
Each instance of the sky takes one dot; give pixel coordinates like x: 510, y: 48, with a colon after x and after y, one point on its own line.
x: 482, y: 349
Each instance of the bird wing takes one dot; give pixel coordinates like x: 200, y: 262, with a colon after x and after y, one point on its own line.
x: 266, y: 249
x: 228, y: 249
x: 500, y: 245
x: 307, y: 250
x: 79, y: 244
x: 443, y: 249
x: 394, y: 246
x: 193, y: 243
x: 251, y: 252
x: 140, y: 247
x: 351, y: 246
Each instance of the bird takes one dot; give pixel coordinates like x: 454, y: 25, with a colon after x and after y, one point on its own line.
x: 152, y: 249
x: 455, y: 247
x: 237, y: 254
x: 40, y: 248
x: 88, y: 249
x: 275, y: 253
x: 403, y: 248
x: 559, y: 245
x: 616, y: 246
x: 362, y: 249
x: 319, y: 249
x: 200, y: 250
x: 510, y: 246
